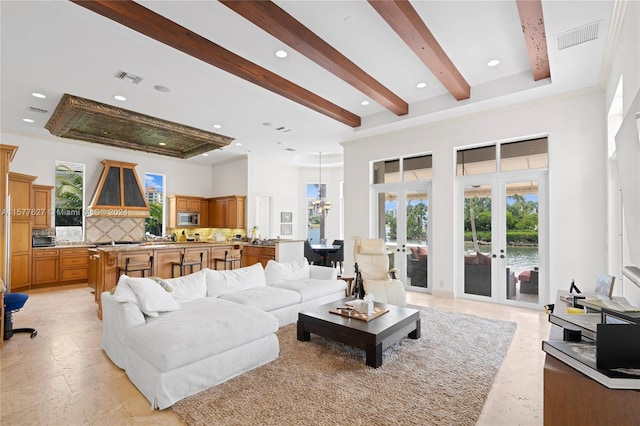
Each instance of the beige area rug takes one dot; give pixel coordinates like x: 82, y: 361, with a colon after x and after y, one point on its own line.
x: 443, y: 378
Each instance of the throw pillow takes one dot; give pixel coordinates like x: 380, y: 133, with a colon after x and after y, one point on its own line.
x: 231, y: 281
x: 123, y: 293
x: 422, y: 251
x: 189, y: 287
x: 276, y: 272
x: 152, y: 298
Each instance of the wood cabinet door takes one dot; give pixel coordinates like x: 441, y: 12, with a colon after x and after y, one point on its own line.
x: 220, y: 213
x: 193, y: 254
x: 181, y: 204
x: 45, y: 270
x: 42, y: 213
x: 204, y: 214
x: 193, y: 205
x: 163, y: 262
x: 20, y: 271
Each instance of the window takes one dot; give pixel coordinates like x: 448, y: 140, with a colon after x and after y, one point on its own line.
x: 69, y: 217
x: 521, y: 155
x: 317, y: 207
x: 403, y: 169
x: 154, y: 193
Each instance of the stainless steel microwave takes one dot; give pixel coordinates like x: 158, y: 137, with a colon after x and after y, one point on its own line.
x: 43, y: 241
x: 188, y: 219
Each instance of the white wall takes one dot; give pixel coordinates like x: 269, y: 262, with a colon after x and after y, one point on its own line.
x: 577, y: 190
x: 230, y: 177
x: 37, y: 157
x: 626, y: 68
x: 280, y: 184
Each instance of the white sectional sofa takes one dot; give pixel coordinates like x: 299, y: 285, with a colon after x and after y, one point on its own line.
x: 176, y: 337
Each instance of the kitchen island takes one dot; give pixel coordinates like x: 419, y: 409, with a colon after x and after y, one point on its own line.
x: 105, y: 260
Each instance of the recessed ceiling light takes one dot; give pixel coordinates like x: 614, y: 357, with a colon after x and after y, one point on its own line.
x: 119, y: 98
x: 421, y: 85
x: 38, y: 95
x: 281, y: 53
x: 27, y: 120
x: 348, y: 20
x: 217, y: 126
x: 238, y: 144
x: 267, y: 124
x: 493, y: 62
x: 364, y: 103
x: 162, y: 89
x: 161, y: 143
x: 205, y: 155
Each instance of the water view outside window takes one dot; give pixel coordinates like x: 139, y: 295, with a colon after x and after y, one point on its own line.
x: 154, y: 185
x: 69, y: 213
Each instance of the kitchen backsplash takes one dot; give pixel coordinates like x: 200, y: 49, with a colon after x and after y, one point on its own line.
x: 208, y: 234
x: 105, y: 229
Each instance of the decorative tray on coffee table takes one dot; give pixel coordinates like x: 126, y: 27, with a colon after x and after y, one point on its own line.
x: 349, y: 312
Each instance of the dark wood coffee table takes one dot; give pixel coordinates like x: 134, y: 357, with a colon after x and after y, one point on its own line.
x: 373, y: 336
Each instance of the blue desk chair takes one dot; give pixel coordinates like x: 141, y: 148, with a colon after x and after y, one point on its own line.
x: 13, y: 302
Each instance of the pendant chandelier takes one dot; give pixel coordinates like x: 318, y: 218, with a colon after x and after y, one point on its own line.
x: 320, y: 206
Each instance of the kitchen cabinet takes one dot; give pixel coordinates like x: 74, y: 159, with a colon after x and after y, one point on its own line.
x: 20, y: 230
x: 45, y: 267
x: 7, y: 152
x: 257, y: 254
x: 184, y: 204
x: 41, y: 209
x: 163, y: 261
x: 94, y: 262
x: 74, y: 265
x: 204, y: 214
x: 227, y: 212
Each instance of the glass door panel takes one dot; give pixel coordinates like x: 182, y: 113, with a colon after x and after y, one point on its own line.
x: 521, y: 240
x: 477, y: 240
x: 388, y: 223
x: 417, y: 227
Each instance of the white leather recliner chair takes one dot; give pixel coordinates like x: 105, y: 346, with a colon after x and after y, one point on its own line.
x: 373, y: 263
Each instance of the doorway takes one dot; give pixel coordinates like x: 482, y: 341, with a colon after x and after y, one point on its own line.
x: 403, y: 223
x: 501, y: 218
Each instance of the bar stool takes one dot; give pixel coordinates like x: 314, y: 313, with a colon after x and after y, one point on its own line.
x: 135, y: 267
x: 230, y: 256
x: 184, y: 263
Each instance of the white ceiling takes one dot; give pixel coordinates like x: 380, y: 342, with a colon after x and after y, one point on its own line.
x: 57, y: 47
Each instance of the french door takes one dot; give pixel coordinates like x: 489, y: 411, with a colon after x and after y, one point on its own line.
x: 403, y: 223
x: 503, y: 248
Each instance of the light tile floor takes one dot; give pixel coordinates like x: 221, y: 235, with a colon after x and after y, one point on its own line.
x: 62, y: 377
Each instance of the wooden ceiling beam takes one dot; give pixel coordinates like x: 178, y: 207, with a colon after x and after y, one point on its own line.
x: 406, y: 22
x: 151, y: 24
x: 274, y: 20
x: 535, y: 37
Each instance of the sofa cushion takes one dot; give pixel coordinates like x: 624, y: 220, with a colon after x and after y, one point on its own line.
x: 152, y: 298
x: 276, y: 272
x: 188, y: 287
x: 310, y: 288
x: 266, y: 298
x: 202, y: 328
x: 123, y: 293
x: 224, y: 282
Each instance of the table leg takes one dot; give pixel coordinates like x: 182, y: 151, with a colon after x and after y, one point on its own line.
x: 415, y: 334
x: 303, y: 336
x: 374, y: 355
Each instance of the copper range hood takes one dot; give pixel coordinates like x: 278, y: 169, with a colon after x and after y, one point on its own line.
x: 119, y: 193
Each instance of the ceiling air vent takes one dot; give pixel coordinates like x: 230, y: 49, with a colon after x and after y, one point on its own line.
x: 123, y: 75
x: 578, y: 35
x: 38, y: 110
